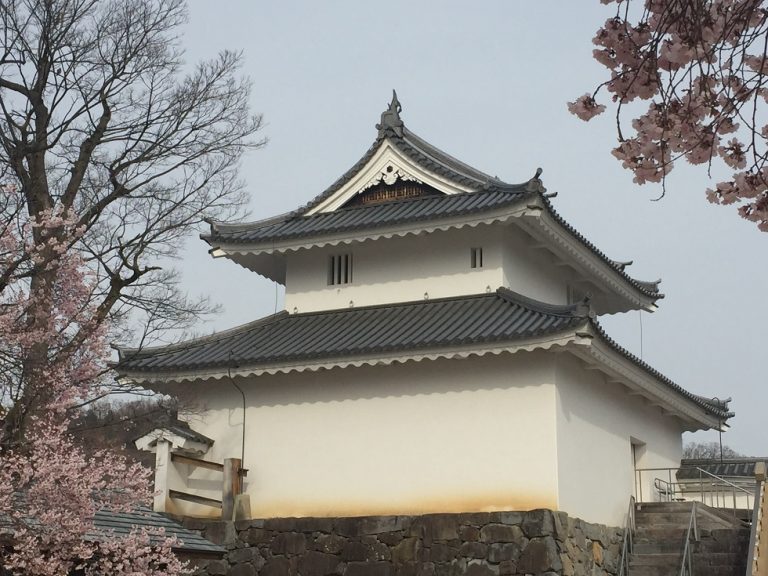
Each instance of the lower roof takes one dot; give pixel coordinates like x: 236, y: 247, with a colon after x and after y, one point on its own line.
x: 113, y: 524
x: 121, y: 524
x: 477, y: 322
x: 727, y: 467
x: 498, y: 316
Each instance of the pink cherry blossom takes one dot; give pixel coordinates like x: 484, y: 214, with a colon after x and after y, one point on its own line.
x: 50, y: 488
x: 585, y: 107
x: 703, y: 69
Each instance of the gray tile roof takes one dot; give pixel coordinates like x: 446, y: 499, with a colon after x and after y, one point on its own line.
x: 425, y: 155
x: 499, y: 317
x: 423, y: 208
x: 729, y: 467
x: 107, y: 524
x: 488, y: 194
x: 185, y: 431
x: 496, y: 317
x: 122, y: 523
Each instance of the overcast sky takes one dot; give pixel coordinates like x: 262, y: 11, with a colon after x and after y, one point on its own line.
x: 488, y: 83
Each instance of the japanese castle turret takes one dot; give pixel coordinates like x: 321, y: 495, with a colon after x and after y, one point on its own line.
x: 439, y: 351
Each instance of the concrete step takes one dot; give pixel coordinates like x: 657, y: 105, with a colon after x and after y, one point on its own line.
x: 662, y: 522
x: 719, y: 559
x: 668, y: 559
x: 736, y: 570
x: 661, y: 533
x: 706, y: 514
x: 663, y: 507
x: 655, y: 571
x: 650, y: 518
x: 645, y: 546
x: 711, y: 546
x: 669, y: 565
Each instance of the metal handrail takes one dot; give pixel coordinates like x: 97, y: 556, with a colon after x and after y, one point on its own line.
x: 714, y: 490
x: 686, y: 565
x: 724, y: 481
x: 627, y: 544
x: 757, y: 527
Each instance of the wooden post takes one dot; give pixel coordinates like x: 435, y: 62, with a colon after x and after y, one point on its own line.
x: 233, y: 485
x: 162, y: 472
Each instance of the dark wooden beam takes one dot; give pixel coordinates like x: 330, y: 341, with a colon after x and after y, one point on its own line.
x: 197, y: 462
x: 194, y: 498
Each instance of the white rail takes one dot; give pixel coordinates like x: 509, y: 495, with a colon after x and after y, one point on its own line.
x: 693, y: 485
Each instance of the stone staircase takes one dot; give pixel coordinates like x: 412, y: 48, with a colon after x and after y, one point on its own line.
x: 659, y: 539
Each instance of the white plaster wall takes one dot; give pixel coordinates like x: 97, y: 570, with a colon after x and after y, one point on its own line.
x: 531, y: 272
x: 404, y: 269
x: 434, y: 436
x: 395, y: 270
x: 596, y: 424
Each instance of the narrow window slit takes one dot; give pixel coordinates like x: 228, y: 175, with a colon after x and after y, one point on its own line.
x: 476, y: 257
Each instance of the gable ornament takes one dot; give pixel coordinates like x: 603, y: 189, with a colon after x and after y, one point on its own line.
x: 391, y: 123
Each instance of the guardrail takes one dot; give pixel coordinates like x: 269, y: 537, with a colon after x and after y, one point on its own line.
x: 693, y: 485
x: 686, y: 563
x: 627, y: 543
x: 757, y: 561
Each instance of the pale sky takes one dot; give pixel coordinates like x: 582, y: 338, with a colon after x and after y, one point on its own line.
x: 488, y: 83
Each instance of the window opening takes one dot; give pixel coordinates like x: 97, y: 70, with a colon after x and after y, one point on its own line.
x: 339, y: 269
x: 476, y: 257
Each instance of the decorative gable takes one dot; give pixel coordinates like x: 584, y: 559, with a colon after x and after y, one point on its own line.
x: 386, y: 168
x: 404, y: 187
x: 390, y: 190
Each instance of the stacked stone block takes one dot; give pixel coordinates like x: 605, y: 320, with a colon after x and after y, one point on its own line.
x: 539, y: 542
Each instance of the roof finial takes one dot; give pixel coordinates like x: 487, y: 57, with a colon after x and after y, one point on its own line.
x: 390, y: 123
x: 535, y: 184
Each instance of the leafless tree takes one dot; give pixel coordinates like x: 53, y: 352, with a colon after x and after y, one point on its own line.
x: 101, y: 118
x: 708, y: 451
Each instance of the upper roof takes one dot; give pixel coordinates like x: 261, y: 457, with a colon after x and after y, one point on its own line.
x: 477, y: 322
x: 456, y: 191
x: 422, y: 208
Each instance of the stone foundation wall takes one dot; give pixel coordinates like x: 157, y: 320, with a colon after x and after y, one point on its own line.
x: 477, y: 544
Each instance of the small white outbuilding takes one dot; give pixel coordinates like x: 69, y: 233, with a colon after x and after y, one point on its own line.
x: 439, y: 351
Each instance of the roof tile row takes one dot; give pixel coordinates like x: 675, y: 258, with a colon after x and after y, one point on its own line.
x: 494, y: 318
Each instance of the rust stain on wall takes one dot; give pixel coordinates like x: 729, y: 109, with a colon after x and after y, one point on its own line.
x: 413, y: 506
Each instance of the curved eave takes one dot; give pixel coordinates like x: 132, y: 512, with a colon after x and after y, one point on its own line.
x: 160, y: 378
x: 533, y: 213
x: 445, y: 172
x: 587, y: 342
x: 642, y: 380
x: 266, y: 258
x: 125, y: 353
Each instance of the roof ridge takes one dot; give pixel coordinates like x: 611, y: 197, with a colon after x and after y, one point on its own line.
x: 344, y: 178
x: 393, y: 304
x: 450, y: 161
